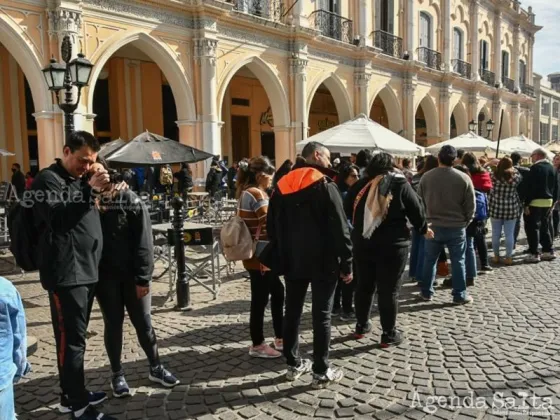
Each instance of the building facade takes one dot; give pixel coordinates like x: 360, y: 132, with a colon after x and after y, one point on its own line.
x: 243, y: 77
x: 547, y: 104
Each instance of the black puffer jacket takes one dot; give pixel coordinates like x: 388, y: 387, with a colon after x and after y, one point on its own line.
x: 127, y: 235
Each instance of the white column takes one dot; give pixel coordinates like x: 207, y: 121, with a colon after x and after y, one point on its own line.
x: 515, y: 119
x: 283, y: 147
x: 473, y: 107
x: 299, y: 18
x: 364, y: 22
x: 361, y: 83
x: 298, y: 70
x: 498, y: 47
x: 410, y: 29
x: 530, y: 60
x: 409, y: 111
x: 475, y: 60
x: 445, y: 107
x: 447, y: 44
x: 515, y: 66
x: 205, y: 55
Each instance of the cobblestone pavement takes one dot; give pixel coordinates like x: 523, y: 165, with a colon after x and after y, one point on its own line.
x: 499, y: 351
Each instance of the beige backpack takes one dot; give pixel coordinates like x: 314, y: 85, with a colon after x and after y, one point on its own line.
x: 237, y: 242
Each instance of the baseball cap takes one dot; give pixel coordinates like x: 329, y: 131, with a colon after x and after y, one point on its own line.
x: 448, y: 151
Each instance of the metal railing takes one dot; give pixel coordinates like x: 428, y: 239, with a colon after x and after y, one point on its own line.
x: 488, y: 77
x: 332, y: 25
x: 431, y: 58
x: 268, y: 9
x: 509, y: 84
x: 462, y: 67
x: 528, y: 90
x: 388, y: 43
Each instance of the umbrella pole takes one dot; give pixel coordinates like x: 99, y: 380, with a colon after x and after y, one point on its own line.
x: 500, y: 134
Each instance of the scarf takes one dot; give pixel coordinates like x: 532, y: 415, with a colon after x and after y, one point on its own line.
x: 376, y: 207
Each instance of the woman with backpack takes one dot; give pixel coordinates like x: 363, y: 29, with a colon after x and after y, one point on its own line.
x: 483, y: 184
x: 253, y: 180
x: 505, y: 208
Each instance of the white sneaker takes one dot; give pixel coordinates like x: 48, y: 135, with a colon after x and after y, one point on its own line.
x: 294, y: 373
x: 330, y: 377
x: 548, y: 256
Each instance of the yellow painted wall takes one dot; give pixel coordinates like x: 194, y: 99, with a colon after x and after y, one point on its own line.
x: 323, y: 114
x: 152, y: 102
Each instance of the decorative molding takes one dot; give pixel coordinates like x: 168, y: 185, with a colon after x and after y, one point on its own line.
x: 362, y: 79
x: 40, y: 49
x: 347, y: 61
x: 298, y: 66
x: 205, y: 49
x: 253, y: 37
x: 65, y: 22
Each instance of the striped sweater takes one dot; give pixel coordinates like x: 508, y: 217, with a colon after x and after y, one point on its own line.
x: 253, y: 207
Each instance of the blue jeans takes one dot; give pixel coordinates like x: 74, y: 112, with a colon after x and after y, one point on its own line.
x: 416, y: 269
x: 470, y: 259
x: 456, y: 241
x: 509, y: 232
x: 7, y: 409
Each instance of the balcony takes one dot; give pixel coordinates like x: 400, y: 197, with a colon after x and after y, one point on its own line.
x: 332, y: 25
x: 462, y: 68
x: 488, y: 77
x: 268, y: 9
x: 388, y: 43
x: 528, y: 90
x: 508, y: 84
x: 430, y: 58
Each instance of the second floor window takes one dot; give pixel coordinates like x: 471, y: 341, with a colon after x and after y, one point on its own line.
x: 544, y: 132
x: 329, y: 5
x: 522, y: 72
x: 554, y: 132
x: 484, y: 55
x: 425, y: 30
x: 384, y: 15
x: 545, y: 106
x: 458, y: 53
x: 555, y: 110
x: 505, y: 64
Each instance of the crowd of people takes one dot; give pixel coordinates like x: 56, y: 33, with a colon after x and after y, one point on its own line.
x: 343, y: 231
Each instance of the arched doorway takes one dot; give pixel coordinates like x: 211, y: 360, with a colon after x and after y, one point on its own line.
x: 328, y: 105
x: 426, y: 123
x: 386, y: 110
x: 459, y: 121
x: 252, y: 104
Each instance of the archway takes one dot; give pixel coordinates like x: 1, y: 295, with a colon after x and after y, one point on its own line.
x: 156, y: 52
x: 253, y: 106
x: 386, y: 110
x: 426, y: 123
x: 328, y: 105
x: 459, y: 121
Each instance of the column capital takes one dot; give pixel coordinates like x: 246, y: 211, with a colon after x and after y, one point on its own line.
x: 64, y: 21
x: 409, y: 84
x: 445, y: 93
x: 298, y: 66
x: 361, y: 79
x: 181, y: 123
x: 205, y: 49
x: 282, y: 129
x: 46, y: 115
x: 474, y: 98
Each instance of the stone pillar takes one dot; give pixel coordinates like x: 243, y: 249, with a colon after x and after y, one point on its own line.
x: 410, y: 40
x: 473, y: 107
x: 515, y: 119
x: 365, y: 27
x: 475, y: 63
x: 445, y: 110
x: 530, y: 122
x: 205, y: 57
x: 361, y: 84
x: 298, y: 72
x: 530, y: 59
x: 298, y: 14
x: 50, y: 136
x: 187, y: 135
x: 447, y: 43
x: 496, y: 116
x: 515, y: 67
x: 283, y: 146
x: 498, y: 47
x: 409, y: 87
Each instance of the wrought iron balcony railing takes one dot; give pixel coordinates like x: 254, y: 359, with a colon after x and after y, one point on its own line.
x: 268, y: 9
x: 388, y: 43
x: 509, y: 84
x: 431, y: 58
x: 462, y: 67
x: 332, y: 25
x: 488, y: 77
x: 528, y: 90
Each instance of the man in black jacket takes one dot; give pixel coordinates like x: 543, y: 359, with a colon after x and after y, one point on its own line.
x: 540, y: 195
x: 18, y: 180
x: 71, y: 244
x: 307, y: 222
x: 524, y: 172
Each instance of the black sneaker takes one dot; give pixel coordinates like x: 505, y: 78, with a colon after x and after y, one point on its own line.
x: 393, y: 339
x: 92, y: 414
x: 348, y: 316
x: 119, y: 386
x: 362, y: 330
x: 486, y: 269
x: 163, y: 376
x: 94, y: 398
x: 336, y: 310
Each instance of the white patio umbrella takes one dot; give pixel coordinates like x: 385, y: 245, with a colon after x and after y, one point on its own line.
x: 469, y: 142
x: 553, y: 146
x: 4, y: 152
x: 522, y: 145
x: 363, y: 133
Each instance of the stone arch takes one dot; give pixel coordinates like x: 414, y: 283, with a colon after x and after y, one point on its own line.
x: 270, y: 82
x: 461, y: 118
x: 162, y: 56
x: 339, y: 93
x: 430, y: 115
x: 29, y: 63
x: 392, y: 106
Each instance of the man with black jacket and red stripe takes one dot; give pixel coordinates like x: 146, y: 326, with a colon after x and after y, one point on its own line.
x: 70, y: 246
x: 306, y: 220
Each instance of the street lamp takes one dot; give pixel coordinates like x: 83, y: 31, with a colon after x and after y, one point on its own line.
x: 472, y: 126
x: 489, y: 127
x: 65, y: 76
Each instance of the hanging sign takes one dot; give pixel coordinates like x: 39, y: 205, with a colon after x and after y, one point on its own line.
x: 267, y: 118
x: 325, y: 124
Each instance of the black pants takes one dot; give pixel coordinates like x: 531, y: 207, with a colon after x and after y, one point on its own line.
x: 481, y: 247
x: 114, y: 294
x: 538, y: 230
x: 381, y: 272
x: 344, y: 292
x: 263, y: 286
x: 70, y: 312
x: 555, y: 223
x: 322, y: 296
x: 518, y: 227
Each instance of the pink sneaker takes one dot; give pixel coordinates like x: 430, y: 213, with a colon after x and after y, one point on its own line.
x: 278, y: 344
x: 264, y: 351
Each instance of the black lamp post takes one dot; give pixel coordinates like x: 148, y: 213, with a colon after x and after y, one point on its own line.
x: 65, y: 76
x: 489, y: 127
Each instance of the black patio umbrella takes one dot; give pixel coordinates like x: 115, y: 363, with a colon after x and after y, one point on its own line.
x: 110, y: 147
x: 150, y: 149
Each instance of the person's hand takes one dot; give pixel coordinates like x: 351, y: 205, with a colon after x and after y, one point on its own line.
x: 121, y: 186
x: 429, y: 234
x: 100, y: 180
x: 527, y: 211
x: 142, y: 291
x: 347, y: 278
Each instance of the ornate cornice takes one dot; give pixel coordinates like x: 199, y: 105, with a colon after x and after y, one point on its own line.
x: 348, y: 61
x: 205, y: 49
x: 64, y: 22
x: 253, y: 37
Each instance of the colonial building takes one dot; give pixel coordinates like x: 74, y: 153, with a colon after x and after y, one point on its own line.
x: 547, y: 104
x: 243, y: 77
